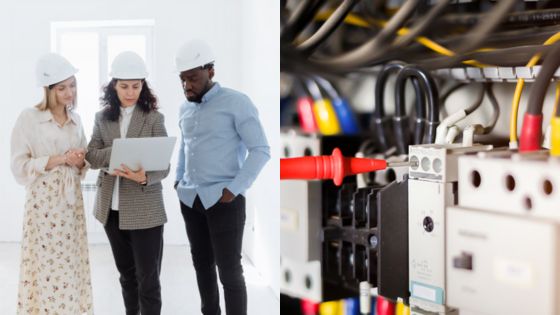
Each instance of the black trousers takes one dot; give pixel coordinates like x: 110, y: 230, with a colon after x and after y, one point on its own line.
x: 137, y: 255
x: 216, y: 236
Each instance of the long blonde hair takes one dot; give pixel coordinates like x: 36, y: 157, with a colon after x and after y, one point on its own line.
x: 49, y: 98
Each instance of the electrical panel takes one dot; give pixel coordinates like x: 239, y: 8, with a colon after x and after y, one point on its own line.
x: 460, y: 100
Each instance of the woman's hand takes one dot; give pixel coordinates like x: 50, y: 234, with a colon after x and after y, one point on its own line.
x: 75, y: 157
x: 139, y: 176
x: 72, y: 157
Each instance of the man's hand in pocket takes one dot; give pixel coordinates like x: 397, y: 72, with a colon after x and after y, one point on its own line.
x: 227, y: 196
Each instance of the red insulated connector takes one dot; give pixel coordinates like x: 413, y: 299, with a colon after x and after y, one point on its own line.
x: 334, y: 167
x: 531, y: 133
x: 384, y: 306
x: 305, y: 114
x: 309, y: 307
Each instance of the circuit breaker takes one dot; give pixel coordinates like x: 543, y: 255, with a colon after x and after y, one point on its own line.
x: 432, y: 187
x: 503, y: 252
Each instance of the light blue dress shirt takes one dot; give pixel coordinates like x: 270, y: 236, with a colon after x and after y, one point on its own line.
x: 223, y: 145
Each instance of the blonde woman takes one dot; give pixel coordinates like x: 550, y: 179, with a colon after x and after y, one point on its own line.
x: 47, y: 156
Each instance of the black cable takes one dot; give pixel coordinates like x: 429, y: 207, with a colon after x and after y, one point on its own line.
x: 443, y: 97
x: 477, y: 102
x: 538, y: 90
x: 380, y: 123
x: 357, y: 57
x: 480, y: 32
x: 380, y: 82
x: 509, y: 37
x: 523, y: 18
x: 298, y: 87
x: 400, y: 104
x: 328, y: 27
x: 495, y: 105
x: 504, y: 38
x: 424, y: 23
x: 430, y: 93
x: 427, y: 84
x: 505, y: 57
x: 450, y: 91
x: 372, y: 50
x: 416, y: 54
x: 303, y: 14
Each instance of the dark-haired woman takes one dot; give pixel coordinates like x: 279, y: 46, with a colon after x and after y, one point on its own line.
x: 129, y: 203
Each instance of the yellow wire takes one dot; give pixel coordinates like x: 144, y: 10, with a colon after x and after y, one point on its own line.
x: 355, y: 20
x: 431, y: 44
x: 358, y: 21
x: 555, y: 126
x: 556, y: 99
x: 519, y: 89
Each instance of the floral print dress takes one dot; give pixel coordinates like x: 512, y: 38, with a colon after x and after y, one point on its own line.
x: 54, y: 270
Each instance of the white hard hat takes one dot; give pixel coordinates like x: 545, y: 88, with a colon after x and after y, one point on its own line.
x: 193, y: 54
x: 128, y: 65
x: 52, y: 68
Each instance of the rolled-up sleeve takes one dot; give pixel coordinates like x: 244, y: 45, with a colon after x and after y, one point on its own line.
x: 25, y: 167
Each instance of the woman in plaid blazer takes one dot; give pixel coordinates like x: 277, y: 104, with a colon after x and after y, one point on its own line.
x: 130, y: 203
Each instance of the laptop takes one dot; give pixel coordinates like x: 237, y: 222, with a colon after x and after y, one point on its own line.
x: 152, y: 154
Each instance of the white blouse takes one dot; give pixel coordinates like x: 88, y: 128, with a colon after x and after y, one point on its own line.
x: 124, y: 123
x: 37, y: 136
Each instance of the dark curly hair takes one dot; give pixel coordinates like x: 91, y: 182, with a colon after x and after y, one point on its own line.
x: 111, y: 103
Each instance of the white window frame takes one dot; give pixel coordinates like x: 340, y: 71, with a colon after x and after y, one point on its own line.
x: 104, y: 29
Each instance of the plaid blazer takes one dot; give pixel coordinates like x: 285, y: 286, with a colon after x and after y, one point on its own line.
x: 140, y: 207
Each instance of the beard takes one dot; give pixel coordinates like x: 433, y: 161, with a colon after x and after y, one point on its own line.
x: 196, y: 98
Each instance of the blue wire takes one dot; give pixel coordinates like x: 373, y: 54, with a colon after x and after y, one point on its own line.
x: 341, y: 107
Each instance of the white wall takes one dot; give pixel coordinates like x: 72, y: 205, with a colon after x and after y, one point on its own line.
x: 232, y: 29
x: 261, y: 64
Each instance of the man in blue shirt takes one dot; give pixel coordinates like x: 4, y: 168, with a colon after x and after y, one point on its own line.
x: 223, y: 148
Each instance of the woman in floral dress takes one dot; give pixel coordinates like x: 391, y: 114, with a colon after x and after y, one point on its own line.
x: 47, y: 156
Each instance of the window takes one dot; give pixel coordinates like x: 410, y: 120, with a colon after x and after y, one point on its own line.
x: 91, y: 46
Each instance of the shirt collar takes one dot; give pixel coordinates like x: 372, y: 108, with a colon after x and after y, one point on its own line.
x: 128, y: 110
x: 46, y: 116
x: 213, y: 91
